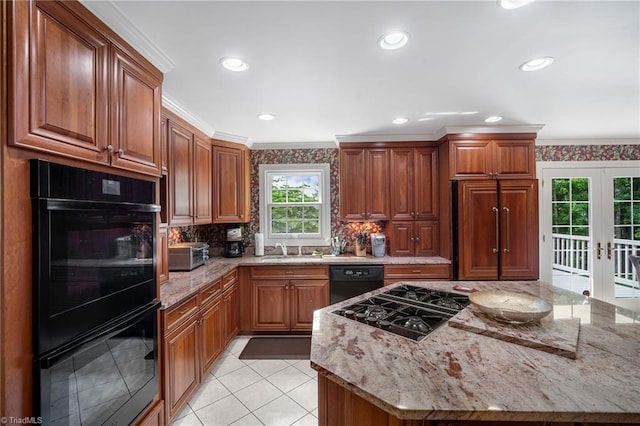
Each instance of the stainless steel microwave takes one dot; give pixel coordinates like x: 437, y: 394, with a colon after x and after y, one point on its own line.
x: 187, y: 256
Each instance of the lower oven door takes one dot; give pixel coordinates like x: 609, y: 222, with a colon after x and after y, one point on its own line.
x: 109, y: 377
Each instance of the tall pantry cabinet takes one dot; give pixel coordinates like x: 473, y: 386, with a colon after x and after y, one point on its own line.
x: 494, y: 205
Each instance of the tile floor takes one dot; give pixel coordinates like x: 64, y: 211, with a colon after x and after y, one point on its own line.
x: 254, y: 392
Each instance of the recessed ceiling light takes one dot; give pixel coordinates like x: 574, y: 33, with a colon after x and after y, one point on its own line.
x: 266, y: 116
x: 393, y: 40
x: 400, y: 120
x: 234, y: 64
x: 513, y: 4
x: 493, y: 119
x: 536, y: 63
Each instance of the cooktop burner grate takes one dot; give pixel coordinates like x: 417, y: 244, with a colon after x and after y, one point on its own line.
x: 408, y: 311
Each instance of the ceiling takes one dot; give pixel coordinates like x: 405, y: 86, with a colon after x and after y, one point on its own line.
x: 317, y: 67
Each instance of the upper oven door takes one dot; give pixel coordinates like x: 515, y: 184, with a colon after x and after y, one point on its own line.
x: 94, y: 261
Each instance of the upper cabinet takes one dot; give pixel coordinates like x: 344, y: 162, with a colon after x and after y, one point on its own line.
x: 512, y: 157
x: 364, y: 183
x: 231, y: 183
x: 189, y: 175
x: 414, y: 179
x: 80, y: 91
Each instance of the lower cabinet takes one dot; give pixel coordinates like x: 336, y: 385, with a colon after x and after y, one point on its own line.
x: 421, y: 272
x: 231, y: 306
x: 284, y: 298
x: 192, y: 341
x: 153, y: 417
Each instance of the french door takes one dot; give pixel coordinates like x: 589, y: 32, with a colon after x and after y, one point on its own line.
x: 590, y: 225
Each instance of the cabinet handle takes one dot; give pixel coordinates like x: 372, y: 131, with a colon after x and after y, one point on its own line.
x: 288, y: 272
x: 497, y: 212
x: 609, y: 250
x: 109, y: 149
x: 183, y: 312
x: 415, y: 271
x: 506, y: 215
x: 120, y: 152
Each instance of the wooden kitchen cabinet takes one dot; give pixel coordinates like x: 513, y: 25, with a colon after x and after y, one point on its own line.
x: 231, y: 183
x: 512, y: 157
x: 192, y: 341
x: 414, y: 238
x: 283, y: 299
x: 80, y: 90
x: 364, y: 184
x: 231, y: 306
x: 417, y: 272
x: 162, y: 267
x: 497, y: 229
x: 189, y: 176
x: 414, y: 181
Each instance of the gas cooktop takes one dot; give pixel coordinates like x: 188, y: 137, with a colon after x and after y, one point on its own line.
x: 406, y: 310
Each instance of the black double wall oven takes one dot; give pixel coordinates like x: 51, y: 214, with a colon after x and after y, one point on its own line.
x: 95, y: 302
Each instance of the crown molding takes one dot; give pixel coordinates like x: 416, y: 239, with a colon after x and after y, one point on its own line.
x: 186, y: 115
x: 229, y: 137
x: 110, y: 14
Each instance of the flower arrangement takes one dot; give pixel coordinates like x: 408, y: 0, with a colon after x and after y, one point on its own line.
x: 142, y: 233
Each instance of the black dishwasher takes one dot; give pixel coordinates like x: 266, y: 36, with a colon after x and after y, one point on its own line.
x: 347, y: 281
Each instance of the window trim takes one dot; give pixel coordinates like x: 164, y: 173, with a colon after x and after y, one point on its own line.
x: 325, y: 209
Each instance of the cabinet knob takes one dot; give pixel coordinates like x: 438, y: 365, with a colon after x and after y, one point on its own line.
x: 120, y: 152
x: 413, y: 214
x: 109, y: 148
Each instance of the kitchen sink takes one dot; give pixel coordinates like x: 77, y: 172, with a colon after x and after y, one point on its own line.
x: 289, y: 259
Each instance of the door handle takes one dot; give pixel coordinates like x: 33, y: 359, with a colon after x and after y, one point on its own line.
x: 609, y: 250
x: 506, y: 227
x: 497, y: 212
x: 598, y: 251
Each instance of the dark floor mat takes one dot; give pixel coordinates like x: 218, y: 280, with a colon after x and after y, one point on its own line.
x: 278, y: 347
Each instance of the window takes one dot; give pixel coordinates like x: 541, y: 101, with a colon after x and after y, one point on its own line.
x: 294, y: 204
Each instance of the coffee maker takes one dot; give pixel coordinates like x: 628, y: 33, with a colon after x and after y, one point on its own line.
x: 233, y: 247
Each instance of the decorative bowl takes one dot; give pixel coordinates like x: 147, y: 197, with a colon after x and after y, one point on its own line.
x: 510, y: 307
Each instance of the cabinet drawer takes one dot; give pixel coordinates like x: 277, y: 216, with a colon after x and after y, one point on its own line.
x: 210, y: 292
x: 229, y: 279
x: 417, y: 271
x: 286, y: 271
x: 174, y: 316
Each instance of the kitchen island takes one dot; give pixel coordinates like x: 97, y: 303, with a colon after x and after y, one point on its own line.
x: 368, y: 376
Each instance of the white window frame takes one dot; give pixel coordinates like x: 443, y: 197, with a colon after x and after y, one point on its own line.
x: 323, y: 238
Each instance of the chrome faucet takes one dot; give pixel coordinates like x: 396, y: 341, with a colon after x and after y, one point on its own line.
x: 283, y: 246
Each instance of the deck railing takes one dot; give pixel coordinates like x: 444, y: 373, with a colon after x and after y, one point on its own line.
x: 572, y: 253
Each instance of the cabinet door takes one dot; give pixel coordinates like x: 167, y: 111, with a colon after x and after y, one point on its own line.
x: 470, y: 159
x: 231, y: 313
x: 181, y: 366
x: 306, y: 297
x: 425, y: 185
x: 163, y: 255
x: 514, y: 159
x: 135, y: 116
x: 164, y: 143
x: 60, y: 94
x: 377, y: 184
x: 228, y: 185
x: 401, y: 238
x: 202, y: 181
x: 270, y: 305
x: 426, y: 238
x: 519, y: 229
x: 478, y: 227
x: 401, y: 178
x: 352, y: 184
x: 180, y: 175
x: 211, y: 335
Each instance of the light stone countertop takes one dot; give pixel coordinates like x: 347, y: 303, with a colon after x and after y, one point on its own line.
x: 182, y: 285
x: 455, y: 374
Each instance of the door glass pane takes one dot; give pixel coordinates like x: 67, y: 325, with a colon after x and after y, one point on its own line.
x: 571, y: 213
x: 626, y: 231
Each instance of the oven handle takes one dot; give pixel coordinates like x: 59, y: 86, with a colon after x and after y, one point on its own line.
x: 59, y: 204
x: 61, y: 353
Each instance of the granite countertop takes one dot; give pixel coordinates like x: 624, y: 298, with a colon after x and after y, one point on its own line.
x: 455, y: 374
x: 182, y: 285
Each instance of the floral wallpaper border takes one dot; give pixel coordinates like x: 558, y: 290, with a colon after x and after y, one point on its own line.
x: 587, y: 152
